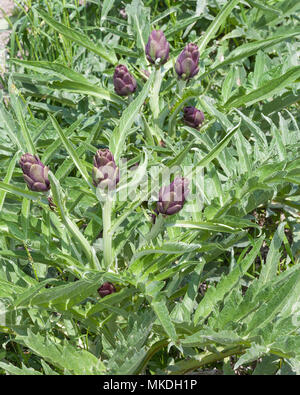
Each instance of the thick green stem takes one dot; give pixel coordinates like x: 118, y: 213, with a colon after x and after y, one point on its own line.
x: 107, y: 235
x: 154, y: 98
x: 181, y: 87
x: 147, y: 131
x: 183, y: 367
x: 152, y: 351
x: 180, y: 103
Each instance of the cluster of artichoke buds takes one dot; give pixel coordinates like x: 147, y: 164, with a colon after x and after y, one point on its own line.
x: 193, y: 117
x: 105, y: 172
x: 35, y: 173
x: 171, y: 198
x: 186, y: 67
x: 157, y: 52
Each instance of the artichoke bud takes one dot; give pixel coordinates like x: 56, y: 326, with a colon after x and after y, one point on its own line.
x: 124, y: 82
x: 106, y: 289
x: 172, y: 197
x: 105, y: 172
x: 157, y: 48
x: 35, y: 173
x: 186, y: 65
x: 193, y: 117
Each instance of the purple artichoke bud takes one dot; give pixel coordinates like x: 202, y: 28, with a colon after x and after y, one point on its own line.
x: 106, y: 289
x: 172, y: 197
x: 193, y: 117
x: 157, y: 47
x: 35, y: 173
x: 105, y: 171
x: 124, y: 82
x: 186, y: 65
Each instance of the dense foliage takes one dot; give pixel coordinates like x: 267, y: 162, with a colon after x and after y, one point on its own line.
x: 149, y: 193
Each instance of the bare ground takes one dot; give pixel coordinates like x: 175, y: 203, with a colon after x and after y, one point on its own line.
x: 6, y: 8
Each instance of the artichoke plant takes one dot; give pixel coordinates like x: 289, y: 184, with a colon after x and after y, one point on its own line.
x: 105, y: 171
x: 89, y: 285
x: 157, y: 48
x: 172, y: 197
x: 124, y: 82
x: 35, y: 173
x: 193, y: 117
x: 186, y: 65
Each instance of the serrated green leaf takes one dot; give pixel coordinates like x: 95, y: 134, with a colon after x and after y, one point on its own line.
x: 269, y: 269
x: 160, y: 308
x: 269, y: 89
x: 72, y: 228
x: 216, y: 294
x: 65, y: 356
x: 23, y: 371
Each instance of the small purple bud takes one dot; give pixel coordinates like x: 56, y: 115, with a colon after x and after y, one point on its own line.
x: 35, y: 173
x: 106, y: 289
x: 186, y: 65
x: 105, y: 171
x: 123, y: 13
x: 124, y: 82
x: 172, y: 197
x: 193, y: 117
x: 157, y: 47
